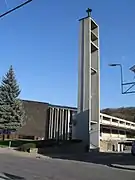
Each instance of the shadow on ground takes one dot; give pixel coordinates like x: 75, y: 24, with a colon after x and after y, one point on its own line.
x: 72, y: 150
x: 98, y: 158
x: 7, y: 176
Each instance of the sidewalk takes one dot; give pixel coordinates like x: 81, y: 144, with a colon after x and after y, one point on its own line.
x: 126, y: 167
x: 20, y: 153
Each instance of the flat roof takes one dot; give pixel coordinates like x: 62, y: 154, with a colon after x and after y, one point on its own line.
x: 61, y: 106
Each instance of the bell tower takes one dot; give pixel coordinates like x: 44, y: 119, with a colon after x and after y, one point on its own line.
x: 87, y: 126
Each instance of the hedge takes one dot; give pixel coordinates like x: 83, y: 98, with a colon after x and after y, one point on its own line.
x: 26, y: 147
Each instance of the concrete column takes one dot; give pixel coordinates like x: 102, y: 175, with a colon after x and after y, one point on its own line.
x: 68, y: 119
x: 57, y: 121
x: 118, y: 147
x: 118, y: 134
x: 51, y: 122
x: 66, y: 124
x: 121, y: 149
x: 55, y: 124
x: 62, y: 123
x: 110, y: 132
x: 115, y: 147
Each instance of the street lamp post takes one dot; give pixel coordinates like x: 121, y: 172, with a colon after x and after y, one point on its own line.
x: 123, y: 84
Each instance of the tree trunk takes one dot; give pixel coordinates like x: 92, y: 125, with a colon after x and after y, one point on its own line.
x: 3, y: 137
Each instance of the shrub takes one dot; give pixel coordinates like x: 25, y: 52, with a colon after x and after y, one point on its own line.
x: 26, y: 147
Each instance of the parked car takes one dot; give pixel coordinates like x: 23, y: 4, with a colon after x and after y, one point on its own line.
x: 133, y: 148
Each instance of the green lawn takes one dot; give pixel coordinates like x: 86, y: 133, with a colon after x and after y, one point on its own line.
x: 15, y: 143
x: 38, y: 143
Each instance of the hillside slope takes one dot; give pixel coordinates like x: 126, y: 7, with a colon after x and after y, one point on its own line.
x: 127, y: 113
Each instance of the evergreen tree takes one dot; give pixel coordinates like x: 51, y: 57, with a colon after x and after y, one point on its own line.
x: 12, y: 113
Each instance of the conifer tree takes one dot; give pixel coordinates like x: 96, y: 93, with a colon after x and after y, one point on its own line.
x: 12, y: 113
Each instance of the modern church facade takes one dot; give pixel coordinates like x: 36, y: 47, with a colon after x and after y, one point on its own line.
x: 97, y: 131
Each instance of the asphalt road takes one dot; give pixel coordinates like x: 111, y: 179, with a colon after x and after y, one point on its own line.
x: 55, y: 169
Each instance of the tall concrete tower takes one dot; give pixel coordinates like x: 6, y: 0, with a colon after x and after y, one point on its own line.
x: 87, y: 123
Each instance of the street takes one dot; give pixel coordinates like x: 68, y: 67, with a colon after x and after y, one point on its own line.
x: 18, y: 167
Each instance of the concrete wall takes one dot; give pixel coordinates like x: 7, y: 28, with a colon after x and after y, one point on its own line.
x: 81, y: 128
x: 66, y: 148
x: 36, y: 119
